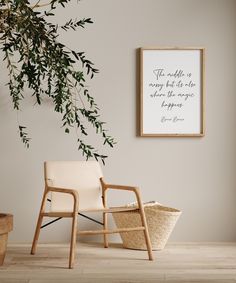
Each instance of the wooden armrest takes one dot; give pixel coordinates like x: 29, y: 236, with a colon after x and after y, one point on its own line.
x: 135, y: 190
x: 74, y: 193
x: 118, y: 187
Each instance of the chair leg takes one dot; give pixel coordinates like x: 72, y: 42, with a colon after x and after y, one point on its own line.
x: 105, y: 226
x: 39, y: 223
x: 36, y: 234
x: 146, y: 233
x: 73, y: 241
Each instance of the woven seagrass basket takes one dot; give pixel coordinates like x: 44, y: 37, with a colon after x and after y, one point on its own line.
x: 160, y: 220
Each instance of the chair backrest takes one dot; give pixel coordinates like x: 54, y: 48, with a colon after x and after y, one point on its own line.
x: 82, y: 176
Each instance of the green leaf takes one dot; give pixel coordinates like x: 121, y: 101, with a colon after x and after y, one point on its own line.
x: 39, y: 63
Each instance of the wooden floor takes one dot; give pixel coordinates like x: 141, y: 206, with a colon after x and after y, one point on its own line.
x: 177, y: 263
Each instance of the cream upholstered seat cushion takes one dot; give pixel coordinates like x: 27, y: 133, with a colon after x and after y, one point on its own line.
x: 82, y: 176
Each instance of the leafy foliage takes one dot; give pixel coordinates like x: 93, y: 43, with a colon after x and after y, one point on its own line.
x: 74, y: 24
x: 38, y: 61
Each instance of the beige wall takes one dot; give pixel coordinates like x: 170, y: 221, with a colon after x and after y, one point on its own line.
x: 196, y: 175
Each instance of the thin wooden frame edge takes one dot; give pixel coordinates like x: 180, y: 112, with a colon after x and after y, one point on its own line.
x: 202, y: 50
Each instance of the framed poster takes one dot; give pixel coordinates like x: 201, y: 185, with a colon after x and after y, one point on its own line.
x: 172, y: 92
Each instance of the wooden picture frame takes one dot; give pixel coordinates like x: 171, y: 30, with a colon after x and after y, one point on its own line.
x: 172, y: 92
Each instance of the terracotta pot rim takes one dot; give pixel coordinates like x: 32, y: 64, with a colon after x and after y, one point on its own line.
x: 5, y: 214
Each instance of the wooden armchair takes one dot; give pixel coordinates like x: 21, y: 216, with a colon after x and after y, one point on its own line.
x: 78, y: 186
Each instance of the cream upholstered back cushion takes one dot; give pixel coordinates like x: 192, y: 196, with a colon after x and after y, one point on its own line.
x: 82, y: 176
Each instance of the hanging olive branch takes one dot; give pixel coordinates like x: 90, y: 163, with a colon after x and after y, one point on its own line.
x: 38, y: 61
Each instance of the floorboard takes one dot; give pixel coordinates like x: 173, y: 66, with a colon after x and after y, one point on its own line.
x: 177, y: 263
